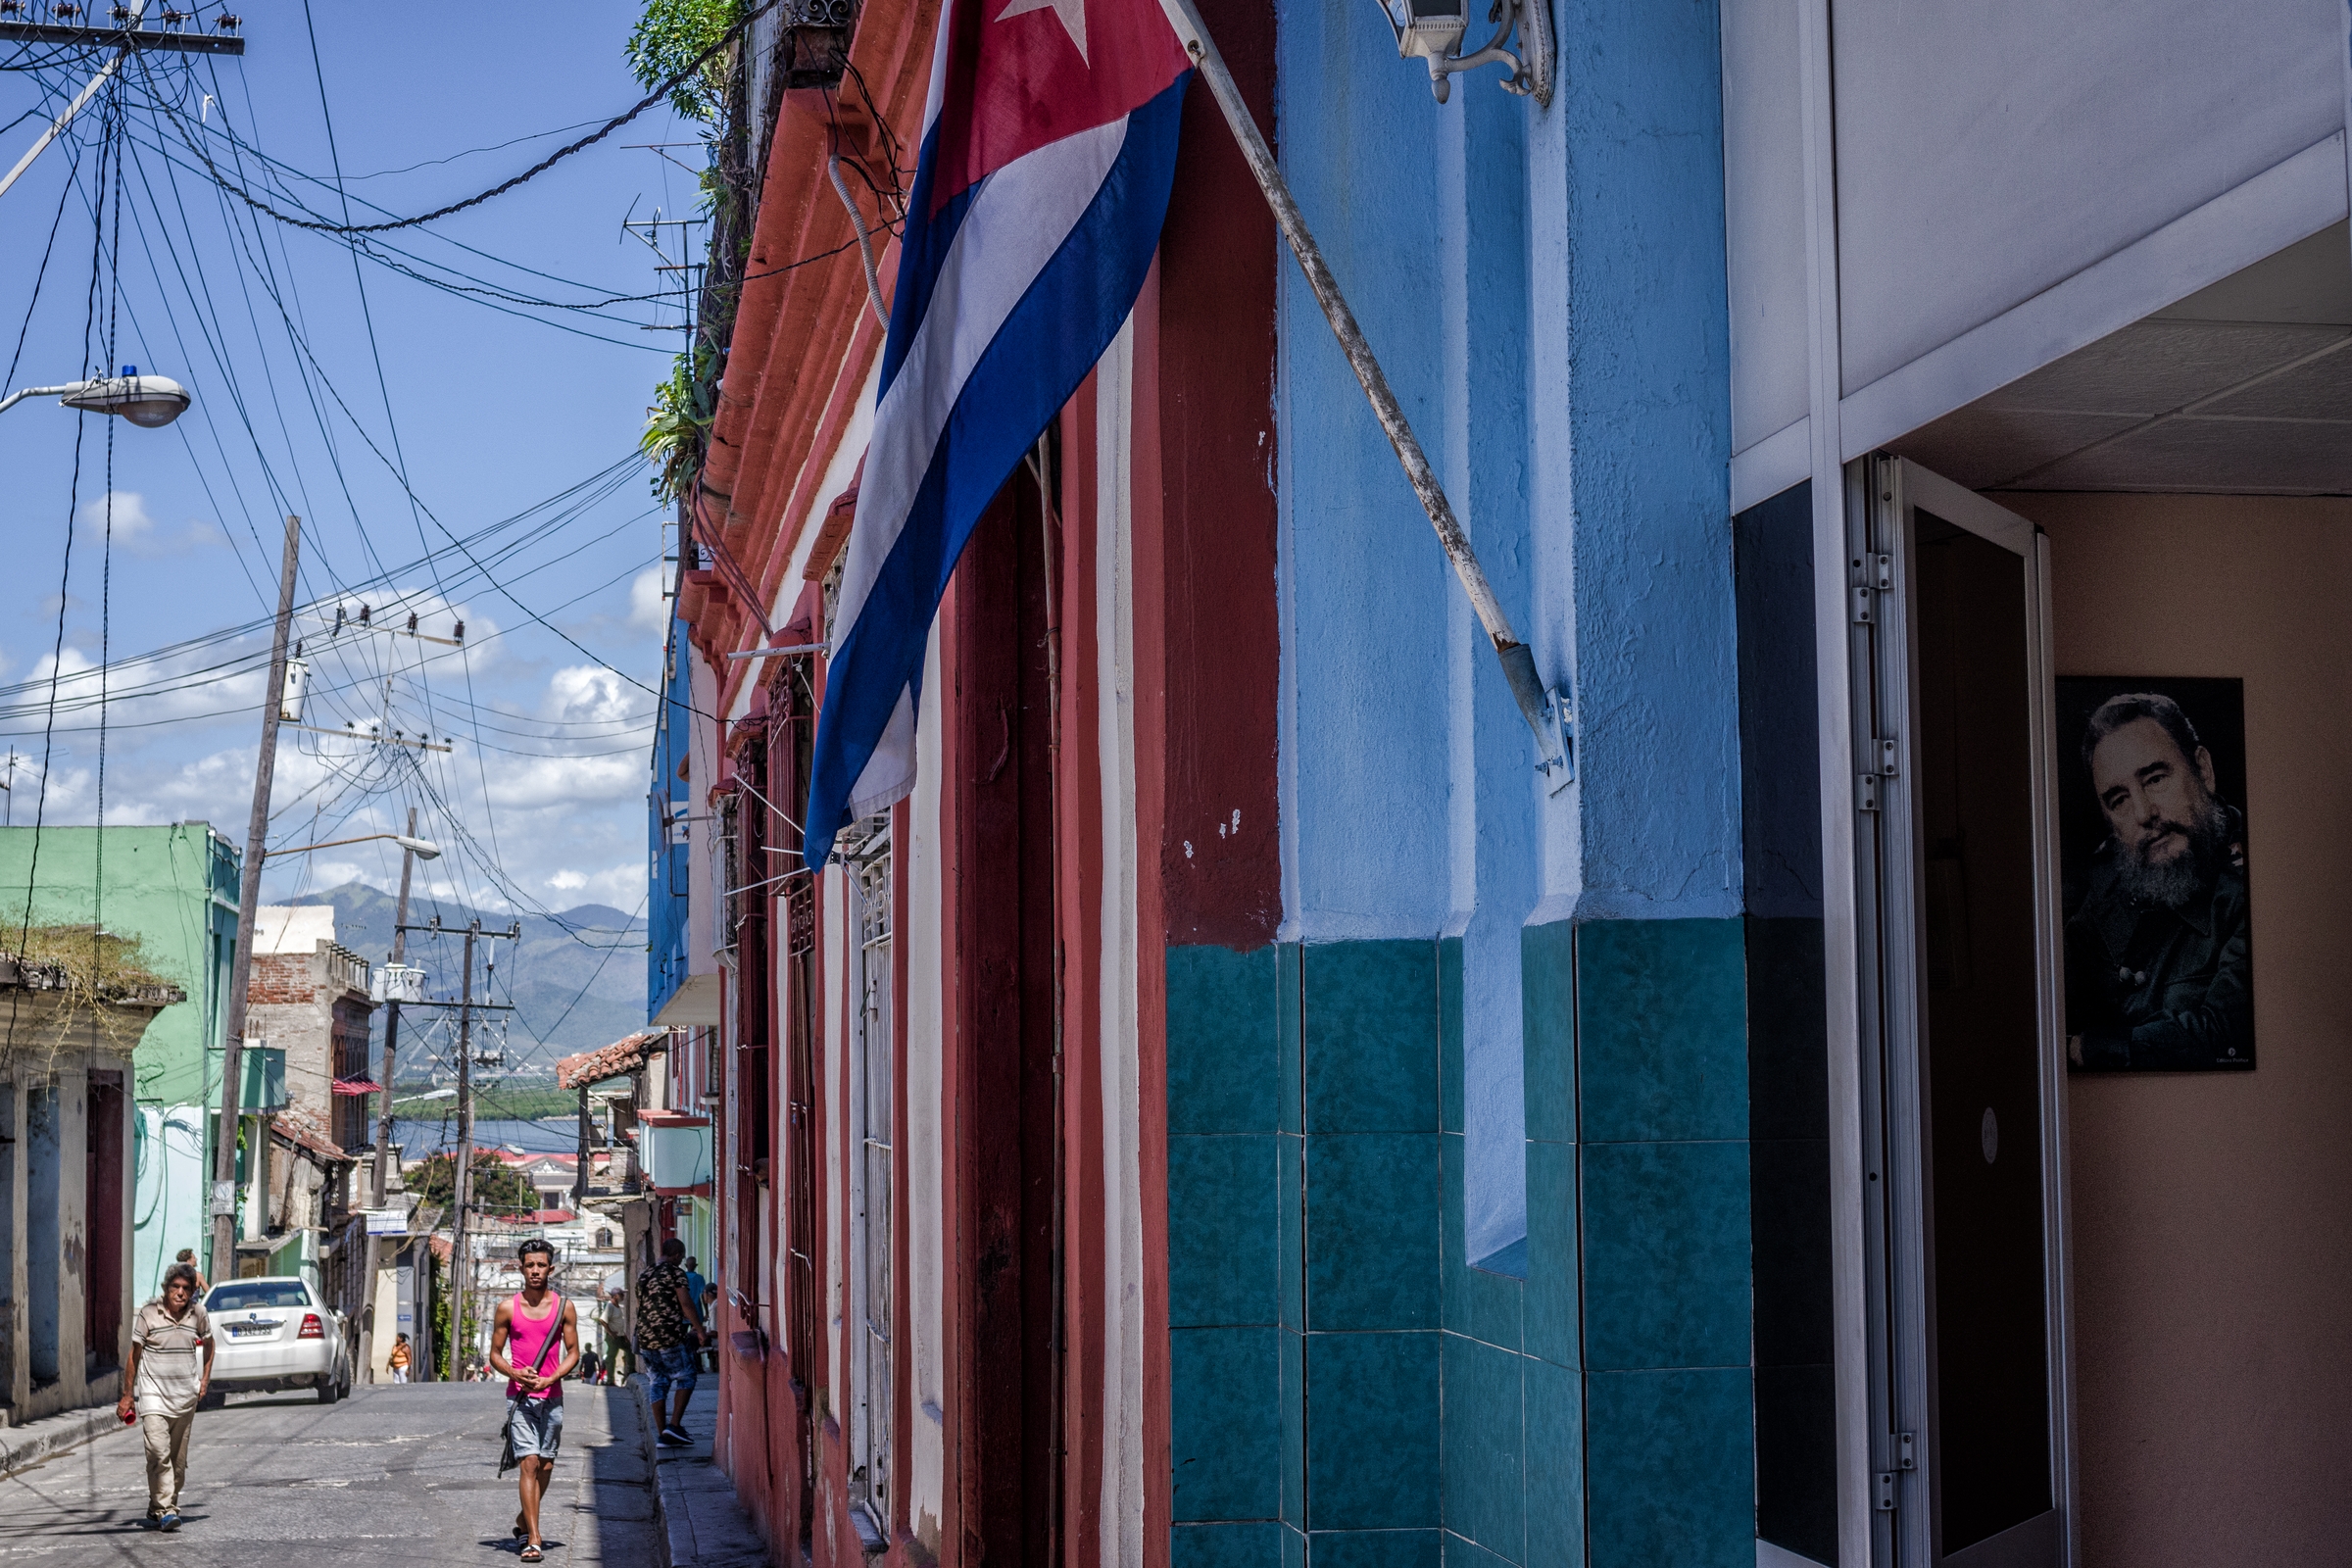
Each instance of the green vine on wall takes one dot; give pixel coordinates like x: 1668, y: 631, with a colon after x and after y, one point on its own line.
x: 669, y: 36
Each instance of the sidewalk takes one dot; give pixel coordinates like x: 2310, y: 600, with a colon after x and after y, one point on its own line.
x: 706, y: 1526
x: 36, y: 1440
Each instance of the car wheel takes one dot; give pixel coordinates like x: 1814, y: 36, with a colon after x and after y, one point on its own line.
x: 213, y: 1401
x: 330, y: 1391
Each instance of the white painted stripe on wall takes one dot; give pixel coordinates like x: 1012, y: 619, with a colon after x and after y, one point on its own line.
x: 833, y: 960
x: 923, y: 952
x: 1122, y: 1499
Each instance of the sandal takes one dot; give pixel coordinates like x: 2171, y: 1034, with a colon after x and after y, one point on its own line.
x: 532, y: 1552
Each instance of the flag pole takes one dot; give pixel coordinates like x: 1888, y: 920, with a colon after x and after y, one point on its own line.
x: 1518, y: 662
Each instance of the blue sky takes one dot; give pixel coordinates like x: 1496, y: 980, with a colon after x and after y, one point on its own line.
x: 300, y: 406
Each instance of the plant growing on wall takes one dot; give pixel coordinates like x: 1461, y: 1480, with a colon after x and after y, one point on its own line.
x: 98, y: 985
x: 670, y: 37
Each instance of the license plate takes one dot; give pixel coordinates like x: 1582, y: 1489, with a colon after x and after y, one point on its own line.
x: 242, y: 1329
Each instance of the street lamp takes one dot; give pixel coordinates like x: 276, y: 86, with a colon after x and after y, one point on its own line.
x: 150, y: 402
x: 422, y: 849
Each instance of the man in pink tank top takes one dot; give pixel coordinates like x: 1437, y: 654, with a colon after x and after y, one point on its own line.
x: 521, y: 1348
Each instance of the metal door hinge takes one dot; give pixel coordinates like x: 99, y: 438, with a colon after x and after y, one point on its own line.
x: 1886, y: 1490
x: 1872, y: 575
x: 1906, y: 1456
x: 1881, y: 757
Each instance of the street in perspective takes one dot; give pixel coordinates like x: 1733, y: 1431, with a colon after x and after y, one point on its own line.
x: 402, y: 1474
x: 1176, y: 783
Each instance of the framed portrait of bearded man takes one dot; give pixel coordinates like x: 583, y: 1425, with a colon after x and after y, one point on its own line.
x: 2152, y: 850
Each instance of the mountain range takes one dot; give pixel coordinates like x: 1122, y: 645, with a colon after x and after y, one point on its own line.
x: 576, y: 980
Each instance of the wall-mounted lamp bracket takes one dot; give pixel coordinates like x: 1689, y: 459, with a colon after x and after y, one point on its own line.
x: 1432, y: 30
x: 1558, y: 767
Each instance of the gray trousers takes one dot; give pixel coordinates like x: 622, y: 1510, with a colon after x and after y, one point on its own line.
x: 166, y: 1458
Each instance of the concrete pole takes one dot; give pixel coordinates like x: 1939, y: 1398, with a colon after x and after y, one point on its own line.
x: 460, y: 1263
x: 249, y: 902
x: 383, y: 1125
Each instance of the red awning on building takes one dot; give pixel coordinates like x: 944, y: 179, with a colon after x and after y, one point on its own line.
x: 357, y: 1086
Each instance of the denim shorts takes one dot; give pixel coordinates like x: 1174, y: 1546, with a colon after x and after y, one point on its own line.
x: 536, y: 1426
x: 671, y: 1367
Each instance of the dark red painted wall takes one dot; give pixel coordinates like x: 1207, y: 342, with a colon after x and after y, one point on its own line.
x: 1215, y: 384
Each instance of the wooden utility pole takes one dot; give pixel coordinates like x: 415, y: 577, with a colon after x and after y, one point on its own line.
x: 223, y: 1262
x: 580, y: 1179
x: 383, y: 1125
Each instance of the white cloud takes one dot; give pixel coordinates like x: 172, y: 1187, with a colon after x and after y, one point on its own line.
x: 134, y: 530
x: 648, y: 609
x: 568, y: 881
x: 591, y: 694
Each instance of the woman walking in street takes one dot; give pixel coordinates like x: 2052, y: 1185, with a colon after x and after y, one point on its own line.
x: 401, y: 1357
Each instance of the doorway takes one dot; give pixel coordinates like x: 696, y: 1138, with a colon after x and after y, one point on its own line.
x: 1964, y: 1131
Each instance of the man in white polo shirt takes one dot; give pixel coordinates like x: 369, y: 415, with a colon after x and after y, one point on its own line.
x: 171, y: 1368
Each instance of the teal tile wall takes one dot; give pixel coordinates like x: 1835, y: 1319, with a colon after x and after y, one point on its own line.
x: 1369, y: 1031
x: 1485, y: 1458
x: 1225, y: 1264
x: 1226, y: 1432
x: 1670, y: 1477
x: 1350, y: 1389
x: 1661, y: 1030
x: 1235, y: 1291
x: 1371, y: 1432
x: 1662, y: 1200
x: 1224, y: 1057
x: 1255, y: 1545
x: 1376, y: 1549
x: 1372, y: 1231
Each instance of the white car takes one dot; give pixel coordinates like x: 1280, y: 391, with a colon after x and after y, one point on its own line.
x: 274, y: 1334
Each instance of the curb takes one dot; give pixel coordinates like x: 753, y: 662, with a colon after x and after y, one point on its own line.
x: 664, y: 1527
x: 22, y: 1447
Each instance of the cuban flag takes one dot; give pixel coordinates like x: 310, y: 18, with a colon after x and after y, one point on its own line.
x: 1049, y: 148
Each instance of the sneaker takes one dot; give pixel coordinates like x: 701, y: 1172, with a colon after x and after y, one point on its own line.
x: 170, y: 1521
x: 672, y: 1438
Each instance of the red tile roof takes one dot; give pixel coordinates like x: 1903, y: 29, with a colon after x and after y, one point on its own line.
x: 617, y: 1059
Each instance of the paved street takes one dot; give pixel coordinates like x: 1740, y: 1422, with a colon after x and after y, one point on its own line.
x: 391, y: 1476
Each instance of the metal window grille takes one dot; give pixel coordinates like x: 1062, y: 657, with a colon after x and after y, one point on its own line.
x: 870, y: 869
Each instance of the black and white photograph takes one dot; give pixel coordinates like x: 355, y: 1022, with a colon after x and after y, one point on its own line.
x: 2152, y: 844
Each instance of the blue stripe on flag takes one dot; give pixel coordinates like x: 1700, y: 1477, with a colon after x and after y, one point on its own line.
x: 1034, y: 364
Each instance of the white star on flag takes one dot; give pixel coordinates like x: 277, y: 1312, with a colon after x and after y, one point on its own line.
x: 1071, y: 12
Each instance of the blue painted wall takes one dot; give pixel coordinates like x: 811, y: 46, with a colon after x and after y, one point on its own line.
x: 1509, y: 1303
x: 667, y: 859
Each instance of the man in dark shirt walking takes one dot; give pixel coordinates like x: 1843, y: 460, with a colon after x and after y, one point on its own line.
x: 669, y: 1328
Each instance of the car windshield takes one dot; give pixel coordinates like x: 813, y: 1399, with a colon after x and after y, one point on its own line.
x: 257, y: 1293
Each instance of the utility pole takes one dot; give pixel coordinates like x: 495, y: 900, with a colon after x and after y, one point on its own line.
x: 383, y: 1125
x: 459, y: 1259
x: 462, y: 1188
x: 248, y: 902
x: 400, y: 948
x: 579, y: 1179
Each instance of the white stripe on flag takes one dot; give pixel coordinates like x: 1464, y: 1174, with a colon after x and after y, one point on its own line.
x: 1020, y: 218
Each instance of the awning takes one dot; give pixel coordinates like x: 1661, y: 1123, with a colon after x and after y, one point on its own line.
x: 357, y: 1086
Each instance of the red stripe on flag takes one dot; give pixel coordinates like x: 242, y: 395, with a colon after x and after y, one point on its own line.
x: 1024, y: 73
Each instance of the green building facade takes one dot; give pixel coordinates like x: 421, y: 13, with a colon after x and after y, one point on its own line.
x: 174, y: 888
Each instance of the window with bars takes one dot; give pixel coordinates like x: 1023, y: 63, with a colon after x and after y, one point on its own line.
x: 868, y: 862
